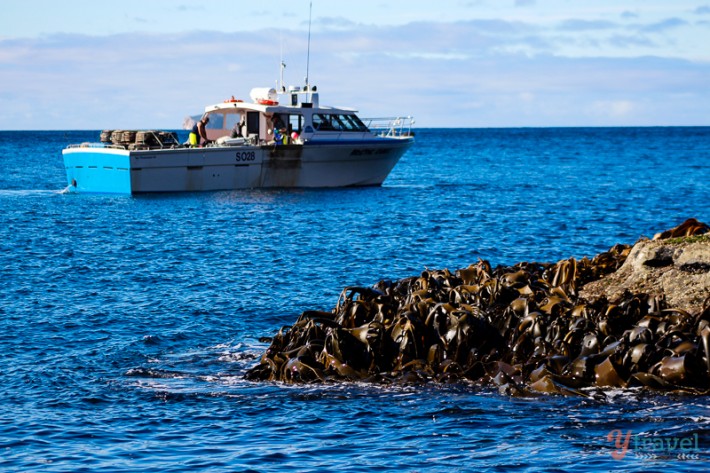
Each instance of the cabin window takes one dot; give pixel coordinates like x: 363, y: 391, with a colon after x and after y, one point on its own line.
x: 216, y: 121
x: 295, y: 123
x: 355, y: 123
x: 230, y: 120
x: 339, y: 123
x: 335, y: 122
x: 321, y: 122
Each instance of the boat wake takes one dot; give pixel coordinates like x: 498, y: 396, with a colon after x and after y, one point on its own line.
x: 26, y: 192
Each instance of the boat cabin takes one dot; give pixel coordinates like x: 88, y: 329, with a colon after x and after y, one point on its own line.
x: 292, y: 117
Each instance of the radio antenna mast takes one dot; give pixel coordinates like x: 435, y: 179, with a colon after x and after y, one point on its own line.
x: 282, y: 66
x: 308, y: 54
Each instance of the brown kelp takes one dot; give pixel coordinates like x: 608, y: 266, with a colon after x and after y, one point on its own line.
x: 522, y: 328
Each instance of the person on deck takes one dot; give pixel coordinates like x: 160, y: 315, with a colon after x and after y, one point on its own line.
x: 237, y: 129
x: 279, y: 130
x: 199, y: 133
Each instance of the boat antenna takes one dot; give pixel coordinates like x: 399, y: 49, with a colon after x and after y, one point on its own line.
x: 283, y: 66
x: 308, y: 53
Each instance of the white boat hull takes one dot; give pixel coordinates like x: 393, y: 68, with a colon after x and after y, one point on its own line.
x: 314, y: 164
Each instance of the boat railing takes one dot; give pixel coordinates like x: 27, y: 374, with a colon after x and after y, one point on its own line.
x: 96, y: 145
x: 390, y: 127
x: 134, y: 140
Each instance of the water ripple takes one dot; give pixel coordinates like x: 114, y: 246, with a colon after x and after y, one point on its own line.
x: 128, y: 322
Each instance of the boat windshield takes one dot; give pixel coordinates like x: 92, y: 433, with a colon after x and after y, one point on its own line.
x: 338, y: 122
x: 223, y: 121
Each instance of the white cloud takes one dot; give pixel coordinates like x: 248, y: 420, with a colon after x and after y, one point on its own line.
x: 614, y: 109
x: 463, y: 73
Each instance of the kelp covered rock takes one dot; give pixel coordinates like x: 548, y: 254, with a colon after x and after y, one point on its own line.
x: 527, y: 327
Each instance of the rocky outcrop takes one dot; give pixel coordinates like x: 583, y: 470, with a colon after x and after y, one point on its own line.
x: 676, y: 269
x: 631, y: 316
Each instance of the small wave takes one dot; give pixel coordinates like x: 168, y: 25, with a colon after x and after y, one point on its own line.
x: 29, y: 192
x: 154, y: 373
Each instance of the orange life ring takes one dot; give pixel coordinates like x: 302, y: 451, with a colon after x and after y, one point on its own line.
x: 267, y: 102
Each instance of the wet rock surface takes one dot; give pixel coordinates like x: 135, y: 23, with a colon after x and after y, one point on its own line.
x: 631, y: 316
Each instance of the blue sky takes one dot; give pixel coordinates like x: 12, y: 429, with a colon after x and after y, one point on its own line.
x: 468, y: 63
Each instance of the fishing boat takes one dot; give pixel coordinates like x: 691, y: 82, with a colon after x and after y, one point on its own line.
x: 276, y: 139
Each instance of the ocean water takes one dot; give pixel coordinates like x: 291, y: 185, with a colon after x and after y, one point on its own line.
x: 127, y: 323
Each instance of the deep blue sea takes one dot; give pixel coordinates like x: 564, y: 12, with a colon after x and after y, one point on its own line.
x: 127, y: 323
